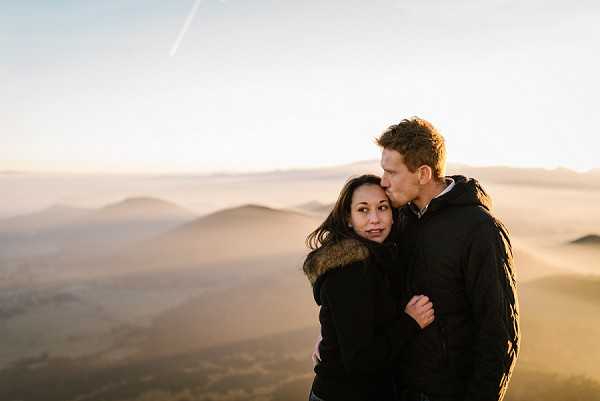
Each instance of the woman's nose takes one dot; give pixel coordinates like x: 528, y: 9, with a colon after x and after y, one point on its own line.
x: 374, y: 217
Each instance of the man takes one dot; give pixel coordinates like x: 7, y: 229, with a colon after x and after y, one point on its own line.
x: 459, y: 255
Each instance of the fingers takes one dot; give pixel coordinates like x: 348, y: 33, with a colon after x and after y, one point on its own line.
x: 426, y: 322
x: 414, y: 300
x: 422, y: 300
x: 316, y: 357
x: 426, y: 318
x: 421, y: 309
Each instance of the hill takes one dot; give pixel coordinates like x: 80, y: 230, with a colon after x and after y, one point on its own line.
x: 590, y: 239
x: 270, y: 304
x: 236, y: 234
x: 51, y: 217
x: 76, y: 235
x: 117, y: 224
x: 529, y: 266
x: 574, y: 286
x: 560, y: 324
x: 315, y: 207
x: 20, y: 235
x: 271, y: 368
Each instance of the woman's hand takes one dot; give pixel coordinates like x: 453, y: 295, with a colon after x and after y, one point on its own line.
x: 420, y: 309
x: 316, y: 356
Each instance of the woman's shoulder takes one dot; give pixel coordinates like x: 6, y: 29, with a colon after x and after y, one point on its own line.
x: 338, y: 257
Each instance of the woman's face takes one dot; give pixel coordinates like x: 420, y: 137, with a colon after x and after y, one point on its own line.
x: 370, y: 213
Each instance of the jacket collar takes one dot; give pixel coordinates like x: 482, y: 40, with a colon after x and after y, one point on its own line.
x: 334, y: 256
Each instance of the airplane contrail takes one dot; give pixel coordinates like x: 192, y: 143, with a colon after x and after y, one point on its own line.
x: 185, y: 27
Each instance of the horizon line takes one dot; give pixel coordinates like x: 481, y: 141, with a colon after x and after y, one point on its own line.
x: 225, y: 172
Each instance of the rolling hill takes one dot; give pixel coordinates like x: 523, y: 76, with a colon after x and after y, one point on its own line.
x: 84, y: 234
x: 231, y: 235
x: 560, y: 324
x: 20, y: 235
x: 530, y: 266
x: 271, y: 304
x: 590, y: 239
x: 49, y: 218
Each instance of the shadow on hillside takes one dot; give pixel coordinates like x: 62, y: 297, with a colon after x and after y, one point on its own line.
x: 274, y: 368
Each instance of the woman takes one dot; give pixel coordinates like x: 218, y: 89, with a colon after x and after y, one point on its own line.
x: 362, y: 328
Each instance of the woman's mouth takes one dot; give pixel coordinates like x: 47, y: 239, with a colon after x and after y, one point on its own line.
x: 375, y: 231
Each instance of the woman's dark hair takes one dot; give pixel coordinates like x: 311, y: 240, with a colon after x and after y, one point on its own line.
x: 335, y: 227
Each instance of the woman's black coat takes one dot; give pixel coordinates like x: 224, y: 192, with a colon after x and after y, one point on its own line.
x: 363, y: 328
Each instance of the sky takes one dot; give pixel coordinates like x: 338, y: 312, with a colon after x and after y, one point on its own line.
x: 231, y: 86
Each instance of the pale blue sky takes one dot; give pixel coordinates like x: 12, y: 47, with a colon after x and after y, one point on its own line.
x: 255, y: 85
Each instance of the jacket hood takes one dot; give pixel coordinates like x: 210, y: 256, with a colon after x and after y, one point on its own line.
x: 466, y: 192
x: 332, y: 257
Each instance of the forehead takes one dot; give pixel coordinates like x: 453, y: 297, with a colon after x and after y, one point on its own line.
x: 368, y: 193
x: 391, y: 159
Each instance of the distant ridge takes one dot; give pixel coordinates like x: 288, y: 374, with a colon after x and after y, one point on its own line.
x: 240, y: 217
x: 131, y: 219
x: 590, y: 239
x: 51, y: 217
x: 128, y: 207
x: 249, y: 210
x: 78, y: 235
x: 142, y: 205
x: 584, y: 287
x: 238, y: 233
x: 63, y: 207
x: 248, y: 207
x: 55, y: 209
x: 525, y: 176
x: 315, y: 207
x: 529, y: 266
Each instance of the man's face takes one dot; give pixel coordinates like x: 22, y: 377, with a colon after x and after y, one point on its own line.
x: 400, y: 184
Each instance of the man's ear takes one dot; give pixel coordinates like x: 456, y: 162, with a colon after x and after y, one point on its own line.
x: 424, y: 174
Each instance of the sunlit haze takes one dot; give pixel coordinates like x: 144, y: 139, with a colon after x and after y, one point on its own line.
x: 208, y: 86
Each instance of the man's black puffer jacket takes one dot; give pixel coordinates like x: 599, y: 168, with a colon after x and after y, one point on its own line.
x: 460, y: 256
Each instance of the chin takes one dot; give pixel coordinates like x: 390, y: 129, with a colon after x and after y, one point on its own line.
x: 397, y: 204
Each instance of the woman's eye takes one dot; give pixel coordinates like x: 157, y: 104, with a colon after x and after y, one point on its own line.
x: 362, y: 210
x: 383, y: 207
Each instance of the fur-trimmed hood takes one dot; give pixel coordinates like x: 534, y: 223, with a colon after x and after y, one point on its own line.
x: 332, y: 257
